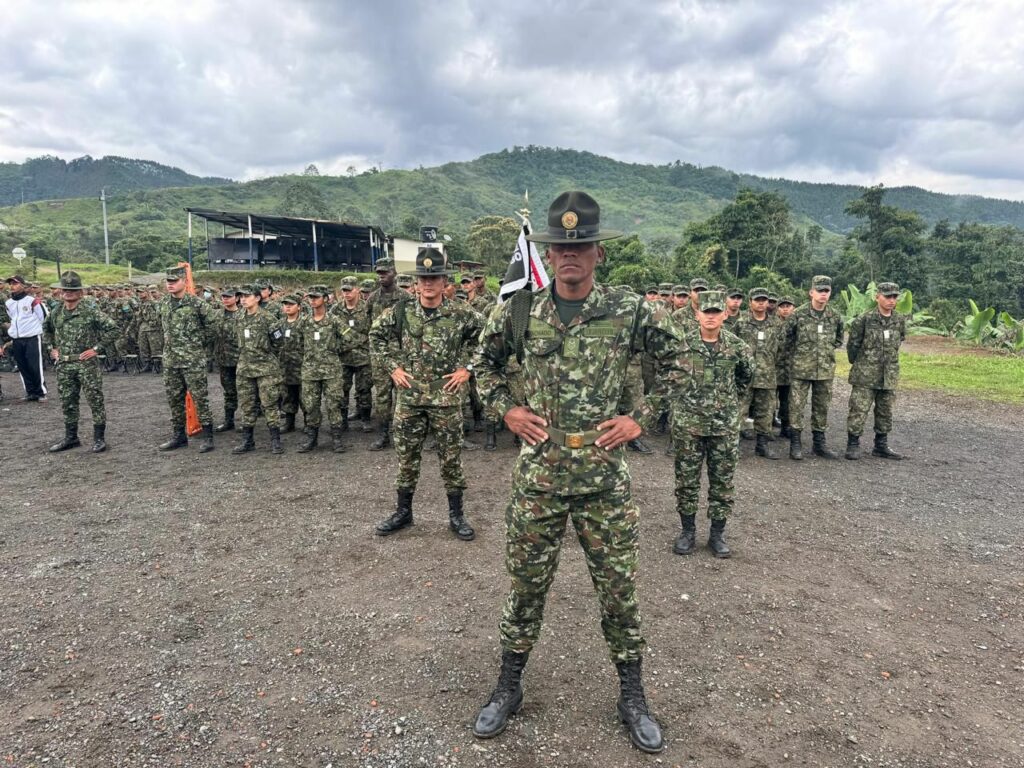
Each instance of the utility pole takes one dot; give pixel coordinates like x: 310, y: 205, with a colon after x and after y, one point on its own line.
x: 106, y: 235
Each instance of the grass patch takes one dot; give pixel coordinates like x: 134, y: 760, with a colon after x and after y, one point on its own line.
x: 999, y: 378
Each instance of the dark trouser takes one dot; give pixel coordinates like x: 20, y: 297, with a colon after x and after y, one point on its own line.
x: 229, y: 383
x: 783, y: 399
x: 28, y: 354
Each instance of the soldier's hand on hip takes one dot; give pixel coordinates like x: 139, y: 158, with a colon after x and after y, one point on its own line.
x: 617, y: 431
x: 526, y: 424
x: 401, y: 378
x: 455, y: 380
x: 89, y: 354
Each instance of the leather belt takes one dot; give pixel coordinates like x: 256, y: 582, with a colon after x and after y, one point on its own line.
x: 572, y: 439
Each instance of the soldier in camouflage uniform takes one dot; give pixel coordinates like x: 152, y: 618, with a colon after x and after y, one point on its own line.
x: 575, y: 339
x: 123, y: 310
x: 407, y: 283
x: 290, y: 356
x: 764, y: 337
x: 425, y: 343
x: 782, y: 366
x: 356, y: 360
x: 225, y: 352
x: 325, y: 338
x: 379, y: 301
x: 873, y: 347
x: 188, y: 323
x: 76, y: 334
x: 733, y: 303
x: 146, y: 328
x: 811, y: 336
x: 260, y: 335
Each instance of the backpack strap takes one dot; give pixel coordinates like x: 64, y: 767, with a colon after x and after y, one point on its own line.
x: 519, y: 315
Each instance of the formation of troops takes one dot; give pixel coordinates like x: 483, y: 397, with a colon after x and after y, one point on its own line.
x: 576, y: 371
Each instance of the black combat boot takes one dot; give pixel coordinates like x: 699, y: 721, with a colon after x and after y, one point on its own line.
x: 402, y: 518
x: 383, y: 437
x: 229, y: 422
x: 506, y: 698
x: 882, y: 449
x: 99, y: 440
x: 478, y: 421
x: 639, y: 446
x: 336, y: 440
x: 644, y: 731
x: 764, y: 448
x: 491, y: 437
x: 365, y: 420
x: 312, y: 436
x: 70, y: 439
x: 820, y: 449
x: 746, y: 434
x: 716, y: 541
x: 662, y: 426
x: 178, y: 440
x: 289, y: 422
x: 247, y: 444
x: 796, y: 450
x: 206, y: 439
x: 457, y: 520
x: 852, y: 447
x: 685, y: 543
x: 344, y: 421
x: 275, y: 440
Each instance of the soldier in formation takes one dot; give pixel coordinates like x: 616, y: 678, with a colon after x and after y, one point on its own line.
x: 290, y: 354
x: 225, y: 351
x: 259, y: 334
x: 377, y: 303
x: 355, y: 370
x: 762, y: 334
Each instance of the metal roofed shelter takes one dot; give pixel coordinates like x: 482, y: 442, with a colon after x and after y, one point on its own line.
x: 257, y: 240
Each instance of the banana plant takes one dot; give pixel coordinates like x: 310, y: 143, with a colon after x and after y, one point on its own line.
x: 977, y: 326
x: 1010, y: 332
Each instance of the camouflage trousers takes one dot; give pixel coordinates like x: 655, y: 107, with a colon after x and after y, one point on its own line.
x: 383, y: 394
x: 608, y: 528
x: 125, y: 345
x: 151, y: 344
x: 291, y: 398
x: 256, y: 391
x: 409, y: 429
x: 721, y: 452
x: 782, y: 396
x: 861, y: 399
x: 229, y: 383
x: 330, y: 392
x: 361, y: 377
x: 178, y: 381
x: 821, y: 399
x: 75, y: 379
x: 760, y: 404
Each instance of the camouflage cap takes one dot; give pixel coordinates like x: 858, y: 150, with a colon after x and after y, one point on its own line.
x: 367, y: 285
x: 152, y: 287
x: 406, y: 280
x: 721, y: 288
x: 698, y: 284
x: 652, y: 288
x: 228, y: 290
x: 821, y: 281
x: 348, y: 282
x: 786, y: 299
x: 249, y: 290
x: 732, y: 293
x: 710, y: 301
x: 681, y: 290
x: 758, y: 293
x: 461, y: 294
x: 259, y: 285
x: 772, y: 296
x: 466, y: 278
x: 888, y: 289
x: 479, y: 274
x: 384, y: 264
x: 291, y: 298
x: 319, y: 291
x: 665, y: 289
x: 172, y: 273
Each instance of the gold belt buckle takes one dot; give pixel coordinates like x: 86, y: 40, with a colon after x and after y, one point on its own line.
x: 574, y: 439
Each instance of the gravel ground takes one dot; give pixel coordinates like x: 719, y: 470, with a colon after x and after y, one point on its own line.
x: 220, y: 610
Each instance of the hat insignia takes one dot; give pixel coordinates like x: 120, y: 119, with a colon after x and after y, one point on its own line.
x: 570, y: 220
x: 428, y: 262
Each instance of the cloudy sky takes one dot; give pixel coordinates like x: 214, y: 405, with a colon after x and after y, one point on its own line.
x: 926, y: 92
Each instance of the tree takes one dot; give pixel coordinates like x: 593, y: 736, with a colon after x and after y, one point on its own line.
x: 304, y: 200
x: 890, y: 237
x: 311, y: 170
x: 492, y: 240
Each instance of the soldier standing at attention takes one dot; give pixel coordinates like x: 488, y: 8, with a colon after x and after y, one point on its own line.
x: 356, y: 361
x: 811, y: 336
x: 383, y: 298
x: 874, y: 351
x: 259, y: 337
x: 188, y: 323
x: 290, y: 356
x: 575, y: 340
x: 76, y: 334
x: 782, y: 366
x: 733, y: 302
x: 762, y: 334
x: 225, y: 351
x: 425, y: 343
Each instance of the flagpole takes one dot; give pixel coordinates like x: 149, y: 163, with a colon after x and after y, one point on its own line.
x: 524, y: 214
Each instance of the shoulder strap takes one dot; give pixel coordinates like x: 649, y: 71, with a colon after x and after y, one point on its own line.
x: 519, y: 314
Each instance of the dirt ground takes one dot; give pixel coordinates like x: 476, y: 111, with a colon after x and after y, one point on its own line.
x: 219, y: 610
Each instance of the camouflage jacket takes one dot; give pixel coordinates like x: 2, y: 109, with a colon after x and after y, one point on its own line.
x: 704, y: 383
x: 323, y: 343
x: 426, y: 346
x: 290, y: 352
x: 483, y: 303
x: 147, y: 318
x: 810, y: 340
x: 358, y: 320
x: 574, y: 378
x: 225, y: 348
x: 259, y: 337
x: 731, y: 320
x: 764, y: 337
x: 189, y: 324
x: 380, y: 301
x: 73, y: 332
x: 874, y: 349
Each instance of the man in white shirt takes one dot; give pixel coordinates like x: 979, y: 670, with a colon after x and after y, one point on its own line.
x: 26, y: 314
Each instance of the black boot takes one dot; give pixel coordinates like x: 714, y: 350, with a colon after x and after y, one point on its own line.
x: 312, y: 436
x: 662, y: 426
x: 365, y: 420
x: 70, y: 439
x: 764, y: 448
x: 206, y: 440
x: 796, y: 451
x: 402, y: 518
x: 336, y: 440
x: 685, y: 542
x: 178, y: 440
x: 289, y: 422
x: 644, y: 731
x: 247, y: 444
x: 820, y: 449
x: 275, y: 440
x: 716, y: 541
x: 882, y: 449
x: 491, y: 438
x: 852, y: 447
x: 639, y: 446
x: 99, y: 441
x: 457, y: 520
x: 785, y: 430
x: 746, y: 434
x: 478, y: 422
x: 229, y: 422
x: 383, y: 437
x: 506, y: 698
